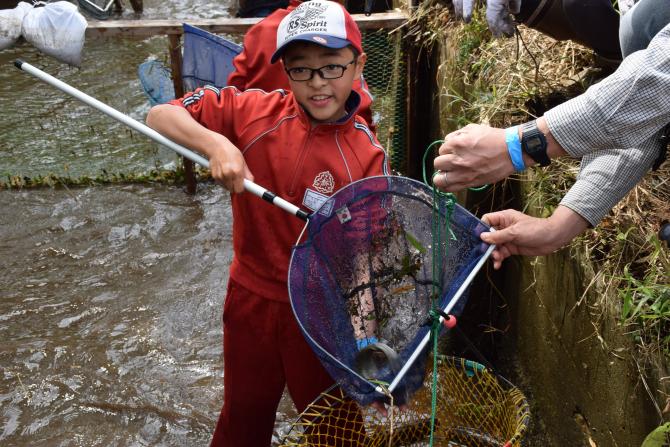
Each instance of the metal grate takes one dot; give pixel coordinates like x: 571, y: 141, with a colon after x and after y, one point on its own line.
x: 386, y: 75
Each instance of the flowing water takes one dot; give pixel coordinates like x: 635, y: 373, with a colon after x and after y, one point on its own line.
x: 44, y: 131
x: 110, y: 315
x: 110, y: 296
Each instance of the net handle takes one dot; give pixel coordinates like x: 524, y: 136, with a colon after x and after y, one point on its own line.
x: 424, y: 341
x: 249, y: 186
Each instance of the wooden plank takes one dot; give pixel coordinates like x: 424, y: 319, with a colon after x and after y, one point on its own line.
x: 177, y: 82
x: 147, y: 28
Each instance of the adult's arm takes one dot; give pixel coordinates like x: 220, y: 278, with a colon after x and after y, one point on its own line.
x: 606, y: 176
x: 623, y: 110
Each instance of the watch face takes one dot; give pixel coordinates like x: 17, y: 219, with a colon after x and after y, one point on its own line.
x: 534, y: 142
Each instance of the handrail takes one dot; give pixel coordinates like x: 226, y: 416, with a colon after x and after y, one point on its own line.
x: 147, y: 28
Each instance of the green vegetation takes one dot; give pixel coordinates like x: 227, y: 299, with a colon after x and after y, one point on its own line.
x: 54, y: 181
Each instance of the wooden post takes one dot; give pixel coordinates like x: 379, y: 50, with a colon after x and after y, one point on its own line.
x: 421, y: 119
x: 175, y: 64
x: 138, y: 5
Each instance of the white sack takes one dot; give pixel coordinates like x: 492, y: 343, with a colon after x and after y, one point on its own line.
x: 56, y: 29
x: 10, y: 24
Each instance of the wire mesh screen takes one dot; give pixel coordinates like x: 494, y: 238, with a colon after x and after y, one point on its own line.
x: 386, y: 75
x: 365, y: 271
x: 474, y: 408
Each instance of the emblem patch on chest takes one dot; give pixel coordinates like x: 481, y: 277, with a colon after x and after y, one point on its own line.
x: 324, y: 182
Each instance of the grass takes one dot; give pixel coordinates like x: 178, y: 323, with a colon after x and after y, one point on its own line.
x: 505, y: 81
x: 163, y: 176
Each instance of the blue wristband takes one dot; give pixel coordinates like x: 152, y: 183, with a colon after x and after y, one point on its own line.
x: 363, y: 342
x: 514, y: 148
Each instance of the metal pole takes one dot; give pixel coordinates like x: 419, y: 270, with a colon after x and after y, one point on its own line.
x: 249, y: 186
x: 461, y: 290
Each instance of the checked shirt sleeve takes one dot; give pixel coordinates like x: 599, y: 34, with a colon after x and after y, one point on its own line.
x: 621, y: 111
x: 605, y: 177
x: 614, y: 127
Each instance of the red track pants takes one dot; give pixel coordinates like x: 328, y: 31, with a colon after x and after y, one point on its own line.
x: 263, y: 350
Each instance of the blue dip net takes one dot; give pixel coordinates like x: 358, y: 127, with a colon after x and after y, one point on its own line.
x: 208, y: 58
x: 156, y: 81
x: 363, y: 268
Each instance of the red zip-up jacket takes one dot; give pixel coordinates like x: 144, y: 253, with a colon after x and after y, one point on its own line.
x: 254, y: 70
x: 300, y: 163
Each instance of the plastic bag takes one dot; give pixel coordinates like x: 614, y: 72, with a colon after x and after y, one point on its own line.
x: 56, y: 29
x: 10, y: 24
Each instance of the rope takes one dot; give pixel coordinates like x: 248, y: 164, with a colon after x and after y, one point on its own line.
x: 441, y: 222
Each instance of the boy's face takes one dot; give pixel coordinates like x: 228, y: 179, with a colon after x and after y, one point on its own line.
x: 323, y: 99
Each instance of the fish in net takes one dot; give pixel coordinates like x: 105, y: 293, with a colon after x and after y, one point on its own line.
x: 366, y: 273
x: 474, y: 407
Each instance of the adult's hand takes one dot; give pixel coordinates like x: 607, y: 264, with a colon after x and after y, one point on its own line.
x: 520, y: 234
x: 498, y: 14
x: 472, y: 156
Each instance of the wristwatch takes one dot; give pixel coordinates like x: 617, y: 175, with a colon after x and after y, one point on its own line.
x: 534, y: 143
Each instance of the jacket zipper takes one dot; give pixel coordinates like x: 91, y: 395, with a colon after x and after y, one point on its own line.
x: 299, y: 163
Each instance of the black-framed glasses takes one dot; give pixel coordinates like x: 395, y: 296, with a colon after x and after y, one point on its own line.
x: 330, y: 71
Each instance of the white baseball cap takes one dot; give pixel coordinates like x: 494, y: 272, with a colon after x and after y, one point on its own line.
x: 321, y: 22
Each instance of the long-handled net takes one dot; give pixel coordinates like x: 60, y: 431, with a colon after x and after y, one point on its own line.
x: 368, y: 271
x: 474, y: 408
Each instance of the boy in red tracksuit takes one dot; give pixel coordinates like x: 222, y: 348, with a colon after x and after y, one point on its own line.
x: 304, y: 145
x: 252, y: 69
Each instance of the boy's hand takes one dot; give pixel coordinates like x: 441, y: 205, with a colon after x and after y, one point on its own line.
x: 228, y: 166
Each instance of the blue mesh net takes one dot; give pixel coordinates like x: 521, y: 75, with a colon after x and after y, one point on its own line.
x: 208, y: 58
x: 364, y: 268
x: 156, y: 81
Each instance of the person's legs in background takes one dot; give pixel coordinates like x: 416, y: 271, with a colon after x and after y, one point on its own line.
x: 641, y: 23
